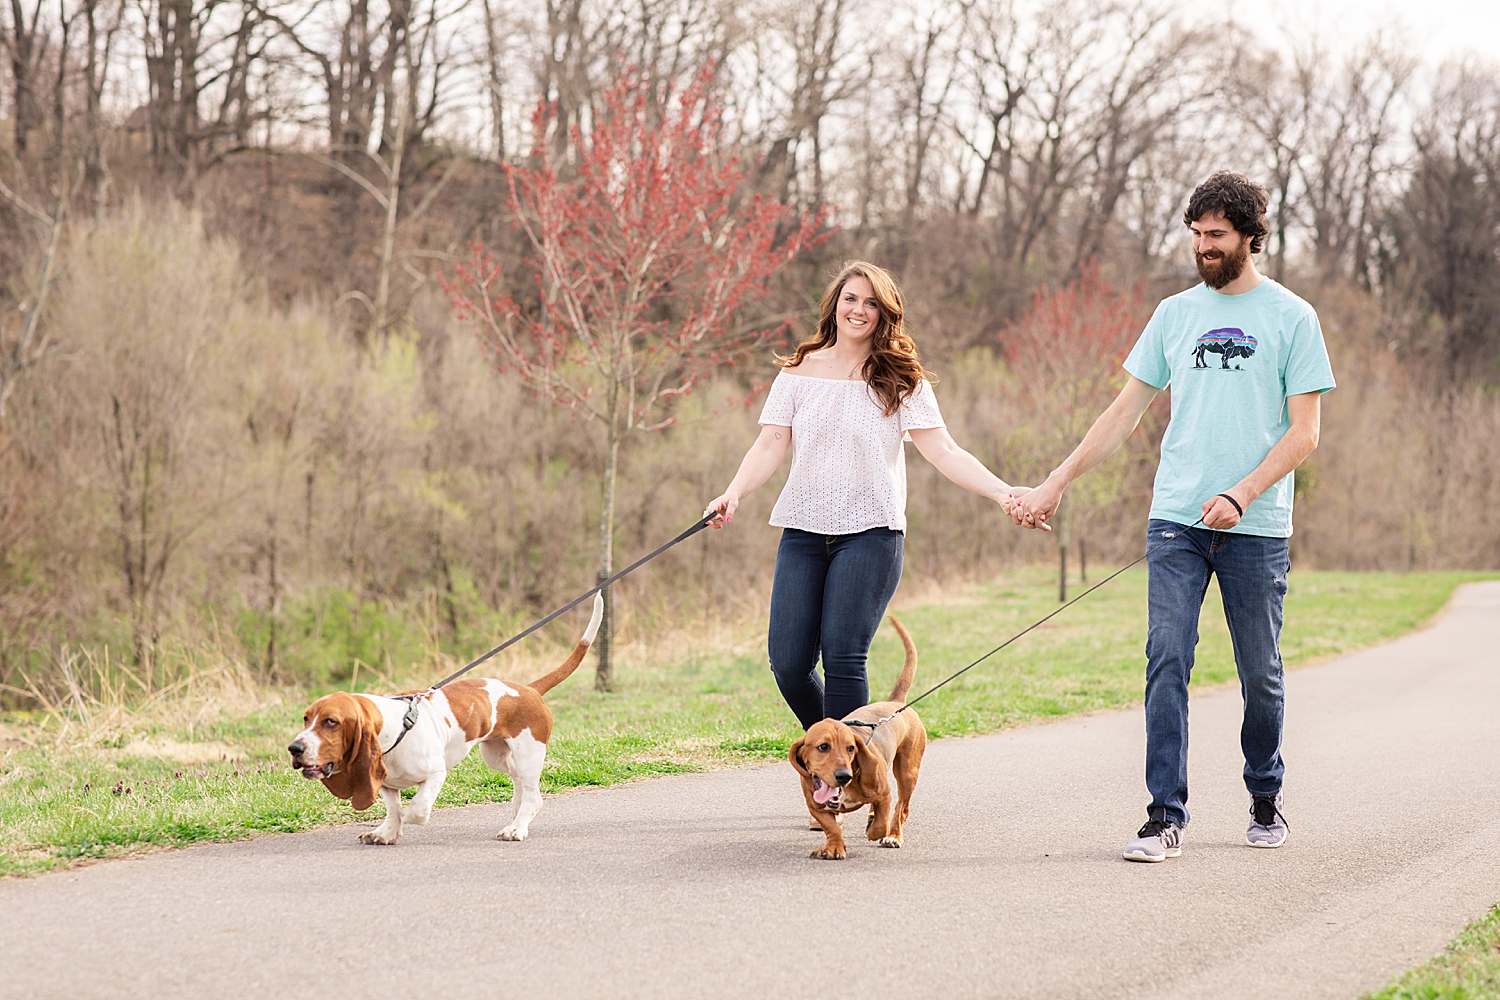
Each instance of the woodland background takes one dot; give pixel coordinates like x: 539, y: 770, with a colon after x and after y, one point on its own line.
x: 239, y: 422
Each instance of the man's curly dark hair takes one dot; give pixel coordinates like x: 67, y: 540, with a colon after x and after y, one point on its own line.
x: 1239, y: 199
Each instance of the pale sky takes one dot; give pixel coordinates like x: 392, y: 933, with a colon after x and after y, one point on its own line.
x: 1436, y: 29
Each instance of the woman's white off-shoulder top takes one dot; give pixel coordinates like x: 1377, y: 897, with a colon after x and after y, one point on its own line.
x: 848, y: 466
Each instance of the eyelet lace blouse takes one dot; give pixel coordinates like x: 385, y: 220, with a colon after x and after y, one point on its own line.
x: 848, y: 466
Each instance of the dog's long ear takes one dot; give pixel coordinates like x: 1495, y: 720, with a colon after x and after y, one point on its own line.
x: 362, y: 770
x: 794, y: 754
x: 869, y: 770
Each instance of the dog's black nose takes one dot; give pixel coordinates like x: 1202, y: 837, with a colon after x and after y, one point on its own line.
x: 296, y: 749
x: 842, y: 776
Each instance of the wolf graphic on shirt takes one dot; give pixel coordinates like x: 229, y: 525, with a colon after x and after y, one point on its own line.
x: 1229, y: 342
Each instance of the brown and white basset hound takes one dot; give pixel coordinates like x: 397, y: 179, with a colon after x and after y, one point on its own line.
x: 345, y: 733
x: 845, y: 767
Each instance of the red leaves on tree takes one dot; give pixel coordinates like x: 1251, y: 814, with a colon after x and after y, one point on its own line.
x: 645, y: 254
x: 1067, y: 350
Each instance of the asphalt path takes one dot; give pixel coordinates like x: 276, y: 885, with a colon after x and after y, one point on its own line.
x: 1010, y: 885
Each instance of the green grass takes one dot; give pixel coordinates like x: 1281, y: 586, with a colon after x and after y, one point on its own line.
x: 1468, y: 969
x: 708, y: 707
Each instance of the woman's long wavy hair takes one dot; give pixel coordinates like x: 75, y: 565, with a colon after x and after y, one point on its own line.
x: 892, y: 369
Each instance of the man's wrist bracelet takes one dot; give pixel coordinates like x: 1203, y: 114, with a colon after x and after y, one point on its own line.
x: 1237, y: 508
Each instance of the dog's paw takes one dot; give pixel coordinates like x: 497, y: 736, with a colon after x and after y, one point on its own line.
x: 378, y: 837
x: 511, y: 833
x: 415, y: 818
x: 890, y: 841
x: 827, y: 853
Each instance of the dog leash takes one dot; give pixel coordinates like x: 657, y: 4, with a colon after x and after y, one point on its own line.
x: 698, y: 526
x: 872, y: 726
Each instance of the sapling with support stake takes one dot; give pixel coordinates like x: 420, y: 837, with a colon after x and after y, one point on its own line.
x: 646, y: 253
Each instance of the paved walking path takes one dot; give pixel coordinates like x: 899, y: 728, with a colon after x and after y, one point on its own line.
x: 1011, y: 884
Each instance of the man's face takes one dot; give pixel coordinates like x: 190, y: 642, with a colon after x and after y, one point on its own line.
x: 1219, y: 250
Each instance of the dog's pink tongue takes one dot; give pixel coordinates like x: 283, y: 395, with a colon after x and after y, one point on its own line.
x: 821, y: 792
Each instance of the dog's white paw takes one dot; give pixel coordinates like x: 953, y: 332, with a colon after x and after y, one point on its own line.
x: 415, y: 818
x: 890, y: 841
x: 511, y: 833
x: 378, y: 836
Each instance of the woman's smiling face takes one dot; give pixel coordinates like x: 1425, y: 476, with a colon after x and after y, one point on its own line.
x: 857, y: 312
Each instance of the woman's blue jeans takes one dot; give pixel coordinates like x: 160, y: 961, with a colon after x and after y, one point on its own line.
x: 1252, y: 581
x: 828, y: 596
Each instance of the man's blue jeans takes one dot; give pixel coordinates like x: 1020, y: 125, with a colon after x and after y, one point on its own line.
x: 828, y: 596
x: 1252, y: 581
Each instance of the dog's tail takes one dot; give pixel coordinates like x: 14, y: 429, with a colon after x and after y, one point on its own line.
x: 547, y: 682
x: 909, y: 671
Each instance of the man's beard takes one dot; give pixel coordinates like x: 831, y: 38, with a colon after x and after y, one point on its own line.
x: 1229, y: 266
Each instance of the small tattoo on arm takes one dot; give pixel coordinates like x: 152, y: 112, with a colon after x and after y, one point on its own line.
x: 778, y: 435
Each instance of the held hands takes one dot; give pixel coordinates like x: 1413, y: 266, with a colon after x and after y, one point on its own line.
x: 1031, y: 508
x: 1011, y: 497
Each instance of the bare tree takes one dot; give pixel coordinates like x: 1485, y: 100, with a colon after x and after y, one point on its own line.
x: 1442, y: 250
x: 1351, y: 128
x: 391, y: 162
x: 807, y: 61
x: 928, y: 72
x: 102, y: 22
x: 1154, y: 83
x: 1029, y: 80
x: 26, y: 43
x: 1273, y: 103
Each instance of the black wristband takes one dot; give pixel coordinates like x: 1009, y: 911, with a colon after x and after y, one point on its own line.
x: 1237, y: 508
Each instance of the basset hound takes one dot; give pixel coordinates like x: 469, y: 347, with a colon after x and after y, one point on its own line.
x: 845, y: 767
x: 357, y: 744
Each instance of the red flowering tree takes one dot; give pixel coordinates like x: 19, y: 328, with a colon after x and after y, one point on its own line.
x: 1066, y: 353
x: 646, y: 254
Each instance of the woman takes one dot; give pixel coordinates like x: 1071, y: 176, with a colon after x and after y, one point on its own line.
x: 847, y: 397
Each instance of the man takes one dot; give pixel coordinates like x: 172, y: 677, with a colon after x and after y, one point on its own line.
x: 1223, y: 495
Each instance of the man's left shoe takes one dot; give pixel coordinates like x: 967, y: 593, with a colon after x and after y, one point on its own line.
x: 1267, y: 826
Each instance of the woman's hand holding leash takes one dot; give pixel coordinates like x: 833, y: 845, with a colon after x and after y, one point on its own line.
x: 724, y: 506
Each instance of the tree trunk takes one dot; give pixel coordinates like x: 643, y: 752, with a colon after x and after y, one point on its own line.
x: 25, y: 66
x: 604, y: 671
x: 388, y: 239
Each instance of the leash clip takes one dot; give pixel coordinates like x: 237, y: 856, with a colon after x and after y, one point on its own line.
x: 409, y: 719
x: 871, y: 726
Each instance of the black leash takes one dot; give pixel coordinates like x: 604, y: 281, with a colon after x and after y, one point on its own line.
x: 872, y: 726
x: 698, y: 526
x: 410, y: 718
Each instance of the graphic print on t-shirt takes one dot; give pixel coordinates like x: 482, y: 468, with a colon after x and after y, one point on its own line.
x: 1229, y: 342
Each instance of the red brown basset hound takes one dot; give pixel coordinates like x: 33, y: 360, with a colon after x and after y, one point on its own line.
x: 345, y: 733
x: 845, y: 767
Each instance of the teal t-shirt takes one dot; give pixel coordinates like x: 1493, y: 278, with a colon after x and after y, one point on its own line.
x: 1231, y: 362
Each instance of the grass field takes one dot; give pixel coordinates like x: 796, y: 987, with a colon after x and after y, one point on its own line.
x: 1468, y: 969
x: 691, y: 702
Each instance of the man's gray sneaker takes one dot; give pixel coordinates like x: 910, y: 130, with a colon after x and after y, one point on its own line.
x: 1267, y: 826
x: 1158, y: 840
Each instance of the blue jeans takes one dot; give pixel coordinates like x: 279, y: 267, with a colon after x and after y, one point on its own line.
x: 828, y: 596
x: 1252, y: 581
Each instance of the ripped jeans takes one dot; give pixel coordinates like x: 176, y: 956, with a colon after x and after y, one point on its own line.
x: 1252, y: 573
